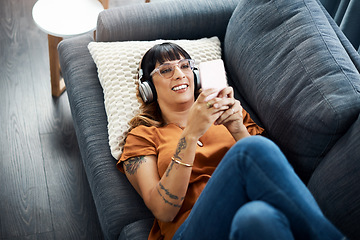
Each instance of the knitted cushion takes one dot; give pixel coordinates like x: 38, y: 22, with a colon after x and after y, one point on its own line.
x: 117, y: 64
x: 288, y: 63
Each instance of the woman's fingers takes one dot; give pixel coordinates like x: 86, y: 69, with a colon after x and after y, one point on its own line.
x: 224, y: 108
x: 205, y: 93
x: 234, y: 113
x: 226, y: 92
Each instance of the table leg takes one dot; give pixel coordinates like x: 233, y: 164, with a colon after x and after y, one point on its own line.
x: 105, y: 3
x: 57, y: 82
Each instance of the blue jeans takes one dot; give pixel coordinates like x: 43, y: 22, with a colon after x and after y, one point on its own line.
x: 255, y: 194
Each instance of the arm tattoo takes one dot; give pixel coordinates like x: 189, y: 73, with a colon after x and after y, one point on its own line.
x: 167, y: 192
x: 181, y: 145
x: 132, y: 164
x: 169, y: 168
x: 166, y: 201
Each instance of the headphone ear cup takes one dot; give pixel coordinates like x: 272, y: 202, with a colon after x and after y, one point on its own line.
x: 197, y: 81
x: 147, y: 91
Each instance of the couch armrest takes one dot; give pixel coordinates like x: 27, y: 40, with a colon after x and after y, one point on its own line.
x: 173, y: 19
x: 335, y: 183
x: 138, y: 230
x: 116, y: 201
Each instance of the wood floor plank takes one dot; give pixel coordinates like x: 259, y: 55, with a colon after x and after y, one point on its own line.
x: 38, y: 236
x: 68, y: 188
x: 23, y: 192
x: 53, y: 113
x: 14, y: 22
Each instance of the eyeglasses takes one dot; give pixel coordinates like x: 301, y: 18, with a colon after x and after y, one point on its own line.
x: 167, y: 70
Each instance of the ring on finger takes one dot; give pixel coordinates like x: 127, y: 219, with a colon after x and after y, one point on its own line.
x: 209, y: 105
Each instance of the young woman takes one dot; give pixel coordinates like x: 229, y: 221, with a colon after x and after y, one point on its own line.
x: 177, y: 142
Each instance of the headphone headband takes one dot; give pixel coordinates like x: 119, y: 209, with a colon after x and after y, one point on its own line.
x: 140, y: 73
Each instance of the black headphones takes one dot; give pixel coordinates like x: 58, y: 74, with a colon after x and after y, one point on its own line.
x: 148, y: 92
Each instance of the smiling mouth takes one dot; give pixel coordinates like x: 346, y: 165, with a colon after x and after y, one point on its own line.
x: 177, y: 88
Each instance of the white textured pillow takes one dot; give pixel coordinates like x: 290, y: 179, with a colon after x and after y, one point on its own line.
x: 117, y: 64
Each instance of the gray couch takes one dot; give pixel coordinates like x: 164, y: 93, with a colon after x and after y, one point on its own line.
x: 290, y: 65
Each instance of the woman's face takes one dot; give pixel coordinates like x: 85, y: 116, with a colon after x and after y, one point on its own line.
x: 177, y: 89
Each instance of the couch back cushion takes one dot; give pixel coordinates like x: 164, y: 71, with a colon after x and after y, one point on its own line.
x: 287, y: 62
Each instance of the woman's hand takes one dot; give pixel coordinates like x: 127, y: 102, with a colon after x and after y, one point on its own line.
x: 232, y: 118
x: 203, y: 114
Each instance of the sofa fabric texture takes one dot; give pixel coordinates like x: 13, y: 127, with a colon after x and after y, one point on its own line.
x: 165, y: 20
x: 295, y: 74
x: 138, y: 230
x: 292, y: 67
x: 334, y: 182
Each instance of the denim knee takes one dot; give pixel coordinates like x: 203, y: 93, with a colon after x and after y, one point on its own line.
x: 259, y: 150
x: 255, y: 143
x: 259, y: 220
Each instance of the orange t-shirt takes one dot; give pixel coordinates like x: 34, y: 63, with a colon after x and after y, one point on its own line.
x: 162, y: 142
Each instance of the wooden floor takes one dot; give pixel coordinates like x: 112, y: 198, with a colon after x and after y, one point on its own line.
x: 44, y: 193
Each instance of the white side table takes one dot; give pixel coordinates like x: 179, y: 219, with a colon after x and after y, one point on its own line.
x: 61, y: 19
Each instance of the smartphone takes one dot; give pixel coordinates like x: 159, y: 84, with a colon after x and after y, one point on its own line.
x: 213, y: 75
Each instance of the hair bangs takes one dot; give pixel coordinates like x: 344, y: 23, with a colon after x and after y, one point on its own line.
x: 169, y: 52
x: 161, y: 53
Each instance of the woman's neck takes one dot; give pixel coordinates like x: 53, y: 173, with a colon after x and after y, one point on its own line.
x: 176, y: 116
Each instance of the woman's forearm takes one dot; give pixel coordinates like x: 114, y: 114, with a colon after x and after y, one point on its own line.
x: 168, y: 195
